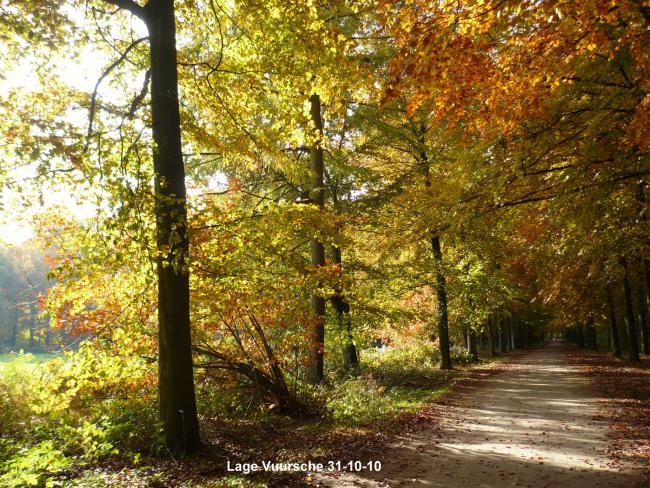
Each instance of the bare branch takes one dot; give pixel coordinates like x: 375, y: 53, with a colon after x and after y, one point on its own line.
x: 140, y: 97
x: 107, y: 71
x: 130, y: 6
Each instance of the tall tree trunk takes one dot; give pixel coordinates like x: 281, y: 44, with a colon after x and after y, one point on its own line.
x: 497, y: 326
x: 591, y: 329
x: 526, y: 333
x: 315, y: 373
x: 342, y: 307
x: 493, y: 348
x: 32, y: 341
x: 48, y: 332
x: 645, y: 302
x: 643, y: 321
x: 441, y: 287
x: 443, y: 318
x: 629, y: 313
x: 594, y: 332
x: 580, y: 335
x: 645, y: 309
x: 350, y: 357
x: 31, y: 320
x: 175, y: 373
x: 14, y: 324
x: 511, y: 329
x: 473, y: 352
x: 503, y: 335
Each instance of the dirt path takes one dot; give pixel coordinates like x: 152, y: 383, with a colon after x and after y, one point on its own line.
x: 530, y: 426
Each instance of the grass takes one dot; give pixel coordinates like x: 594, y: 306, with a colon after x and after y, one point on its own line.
x: 28, y: 360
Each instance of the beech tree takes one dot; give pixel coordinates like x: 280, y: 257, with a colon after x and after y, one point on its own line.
x: 175, y: 372
x: 440, y: 173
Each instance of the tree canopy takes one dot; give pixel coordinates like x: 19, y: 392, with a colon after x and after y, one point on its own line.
x: 276, y: 187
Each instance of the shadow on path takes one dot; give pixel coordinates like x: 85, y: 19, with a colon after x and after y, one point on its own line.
x: 531, y: 426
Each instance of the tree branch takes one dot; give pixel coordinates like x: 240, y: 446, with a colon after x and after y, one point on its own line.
x: 107, y: 71
x: 130, y: 6
x: 140, y: 97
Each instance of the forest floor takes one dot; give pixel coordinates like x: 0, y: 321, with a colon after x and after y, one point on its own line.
x: 555, y: 418
x: 542, y: 418
x: 405, y: 405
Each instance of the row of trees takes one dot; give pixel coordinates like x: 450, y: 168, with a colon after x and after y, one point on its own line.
x: 347, y: 170
x: 22, y: 284
x: 630, y: 334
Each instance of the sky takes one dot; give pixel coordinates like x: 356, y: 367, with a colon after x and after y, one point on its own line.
x: 15, y: 216
x: 82, y: 74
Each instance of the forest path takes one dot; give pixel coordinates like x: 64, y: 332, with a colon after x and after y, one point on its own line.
x: 530, y: 426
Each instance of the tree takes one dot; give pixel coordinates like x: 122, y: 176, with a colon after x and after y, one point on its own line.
x: 494, y: 185
x: 9, y: 283
x: 175, y: 372
x: 611, y: 310
x: 443, y: 316
x: 630, y: 319
x: 317, y: 333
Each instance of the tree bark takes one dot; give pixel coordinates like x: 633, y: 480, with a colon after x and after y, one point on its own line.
x: 594, y: 332
x: 629, y: 313
x: 350, y: 357
x: 645, y: 301
x: 645, y: 308
x: 175, y: 373
x: 32, y: 342
x: 497, y: 326
x: 645, y: 330
x: 48, y: 333
x: 443, y: 318
x: 526, y: 334
x: 593, y: 338
x: 493, y: 349
x: 342, y: 307
x: 503, y: 335
x: 441, y: 287
x: 315, y: 372
x: 31, y: 318
x: 580, y: 336
x: 473, y: 352
x: 14, y: 326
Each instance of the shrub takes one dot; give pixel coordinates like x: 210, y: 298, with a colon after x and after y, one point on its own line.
x: 92, y: 402
x: 460, y: 355
x: 33, y: 466
x: 395, y: 366
x: 359, y: 399
x: 16, y: 383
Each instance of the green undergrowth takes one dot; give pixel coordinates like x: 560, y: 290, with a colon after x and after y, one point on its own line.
x: 397, y: 382
x: 389, y: 383
x: 63, y: 416
x: 362, y: 401
x: 70, y: 411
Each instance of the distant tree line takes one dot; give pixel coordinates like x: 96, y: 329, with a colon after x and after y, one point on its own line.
x: 23, y: 283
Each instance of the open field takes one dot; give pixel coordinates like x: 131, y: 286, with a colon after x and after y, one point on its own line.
x: 28, y: 360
